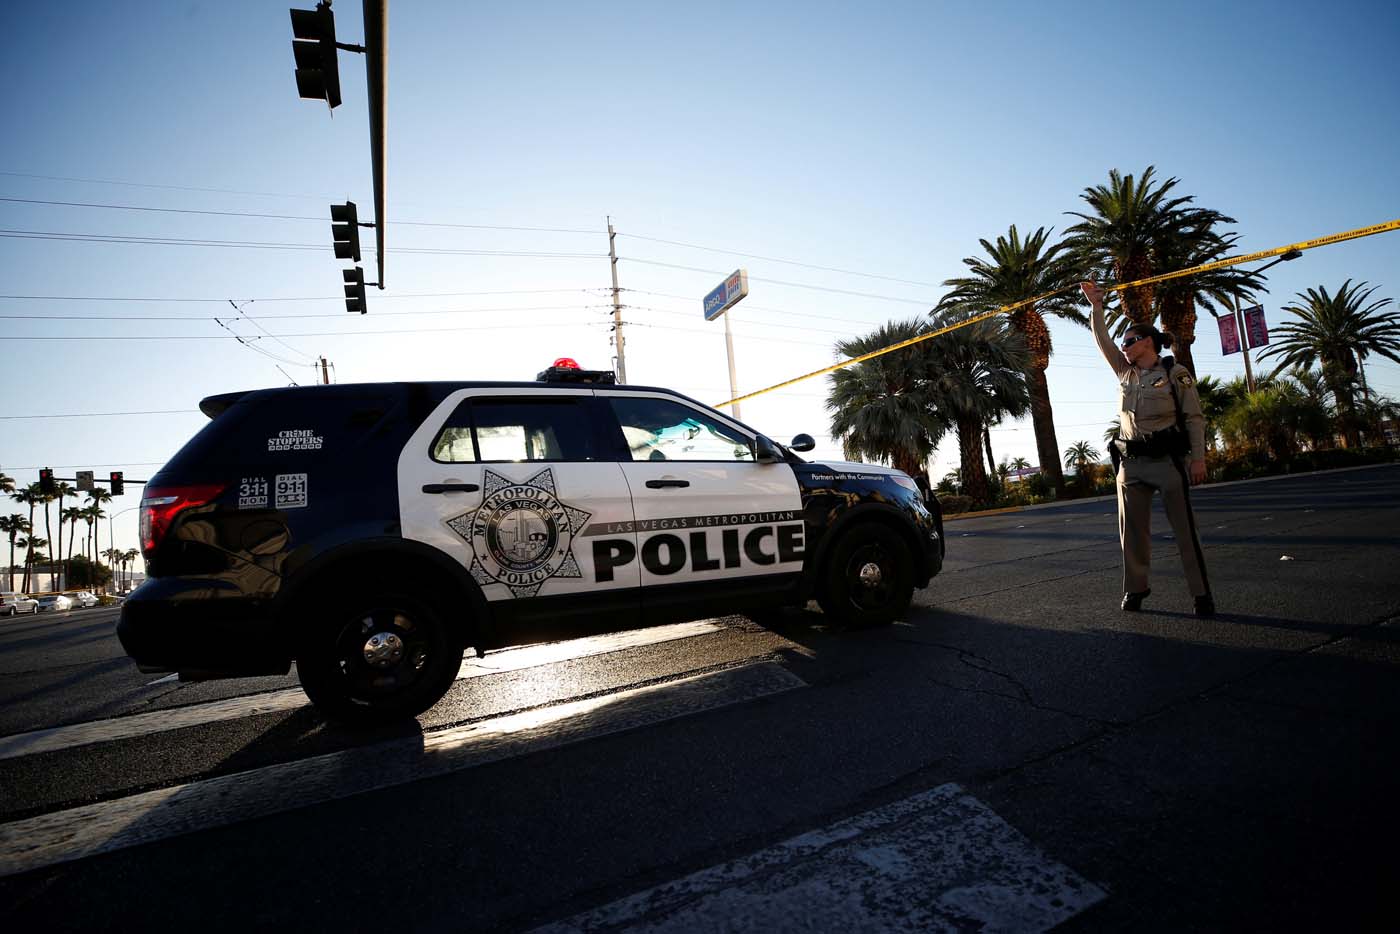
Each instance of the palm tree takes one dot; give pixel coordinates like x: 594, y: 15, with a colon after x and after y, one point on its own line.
x: 1012, y: 271
x: 129, y: 558
x: 1080, y: 455
x: 880, y: 408
x: 12, y: 525
x: 1113, y: 432
x: 1339, y: 331
x: 90, y: 515
x: 31, y: 543
x: 72, y: 515
x: 30, y: 496
x: 1121, y: 232
x: 61, y: 490
x: 1189, y: 238
x: 96, y: 497
x: 7, y: 483
x: 976, y: 376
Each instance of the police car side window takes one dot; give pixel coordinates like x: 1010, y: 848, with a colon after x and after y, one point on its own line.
x: 661, y: 430
x: 516, y: 430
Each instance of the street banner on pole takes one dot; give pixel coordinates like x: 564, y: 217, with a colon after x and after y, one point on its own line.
x: 1229, y: 335
x: 1255, y: 327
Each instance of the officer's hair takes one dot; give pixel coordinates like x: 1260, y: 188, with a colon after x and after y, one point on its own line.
x: 1161, y: 340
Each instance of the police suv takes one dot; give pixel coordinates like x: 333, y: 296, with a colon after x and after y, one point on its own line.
x: 372, y: 532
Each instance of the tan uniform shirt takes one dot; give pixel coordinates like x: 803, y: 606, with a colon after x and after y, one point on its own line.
x: 1145, y: 400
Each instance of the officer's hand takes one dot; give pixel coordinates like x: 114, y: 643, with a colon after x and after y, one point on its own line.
x: 1198, y: 472
x: 1092, y: 292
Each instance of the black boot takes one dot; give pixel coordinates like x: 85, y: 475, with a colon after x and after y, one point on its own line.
x: 1132, y: 602
x: 1205, y: 605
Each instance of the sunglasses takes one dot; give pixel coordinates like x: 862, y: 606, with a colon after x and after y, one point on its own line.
x: 1130, y: 341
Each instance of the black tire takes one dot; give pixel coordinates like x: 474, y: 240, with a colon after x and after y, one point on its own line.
x: 420, y: 653
x: 868, y: 577
x: 12, y: 611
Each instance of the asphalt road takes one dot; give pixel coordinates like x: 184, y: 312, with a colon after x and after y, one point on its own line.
x: 1018, y: 755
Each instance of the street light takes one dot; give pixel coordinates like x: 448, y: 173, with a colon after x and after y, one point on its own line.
x: 1239, y: 315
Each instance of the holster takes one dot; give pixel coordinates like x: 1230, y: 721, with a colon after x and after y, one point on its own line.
x: 1169, y: 442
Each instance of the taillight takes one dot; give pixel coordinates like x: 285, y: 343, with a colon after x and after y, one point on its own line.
x: 160, y: 505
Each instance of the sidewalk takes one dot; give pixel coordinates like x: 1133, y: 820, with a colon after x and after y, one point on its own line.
x: 1114, y: 496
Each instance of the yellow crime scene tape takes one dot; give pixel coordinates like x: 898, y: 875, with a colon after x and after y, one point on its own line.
x: 1007, y: 309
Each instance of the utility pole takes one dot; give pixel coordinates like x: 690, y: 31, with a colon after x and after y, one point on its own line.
x: 325, y: 373
x: 617, y: 306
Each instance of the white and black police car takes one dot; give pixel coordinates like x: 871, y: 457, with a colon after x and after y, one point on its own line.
x: 371, y: 533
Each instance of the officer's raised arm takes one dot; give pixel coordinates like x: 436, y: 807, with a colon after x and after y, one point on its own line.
x: 1110, y: 351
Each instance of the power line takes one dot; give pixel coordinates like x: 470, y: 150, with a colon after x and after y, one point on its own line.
x: 795, y: 285
x: 304, y: 298
x: 770, y: 259
x: 286, y: 217
x: 292, y: 317
x: 104, y: 414
x: 245, y: 316
x: 264, y: 245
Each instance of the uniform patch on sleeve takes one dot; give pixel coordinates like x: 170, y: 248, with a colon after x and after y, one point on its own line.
x: 1185, y: 379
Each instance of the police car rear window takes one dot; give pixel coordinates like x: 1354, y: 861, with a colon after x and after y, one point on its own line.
x: 511, y: 430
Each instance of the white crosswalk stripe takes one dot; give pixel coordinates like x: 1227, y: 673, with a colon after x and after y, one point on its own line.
x: 176, y: 718
x: 937, y: 861
x: 148, y: 817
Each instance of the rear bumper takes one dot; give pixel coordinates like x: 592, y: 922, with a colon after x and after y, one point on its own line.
x: 170, y: 624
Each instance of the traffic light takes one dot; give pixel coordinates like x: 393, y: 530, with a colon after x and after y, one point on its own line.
x: 46, y: 482
x: 118, y: 486
x: 345, y: 231
x: 355, y: 290
x: 313, y: 45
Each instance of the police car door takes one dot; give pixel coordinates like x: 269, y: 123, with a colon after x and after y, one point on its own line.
x: 517, y: 485
x: 707, y: 513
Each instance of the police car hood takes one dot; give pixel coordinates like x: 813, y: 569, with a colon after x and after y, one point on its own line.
x: 852, y: 467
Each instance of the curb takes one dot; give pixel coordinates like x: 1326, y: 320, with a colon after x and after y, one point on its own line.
x: 1114, y: 496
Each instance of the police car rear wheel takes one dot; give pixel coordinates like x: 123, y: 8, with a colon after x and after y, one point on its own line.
x: 380, y: 658
x: 869, y: 577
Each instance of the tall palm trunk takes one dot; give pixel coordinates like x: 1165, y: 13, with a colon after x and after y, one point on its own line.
x: 72, y: 533
x: 29, y: 550
x: 10, y: 568
x: 48, y: 533
x: 1137, y: 301
x: 58, y: 542
x: 974, y: 478
x: 1043, y: 421
x: 1179, y: 317
x: 993, y: 481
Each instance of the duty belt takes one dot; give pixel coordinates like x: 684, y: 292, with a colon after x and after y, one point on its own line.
x: 1167, y: 443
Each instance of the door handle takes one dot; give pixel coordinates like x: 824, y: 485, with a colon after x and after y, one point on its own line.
x: 450, y: 488
x: 659, y: 484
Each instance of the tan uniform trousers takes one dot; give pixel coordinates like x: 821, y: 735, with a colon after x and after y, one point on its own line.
x: 1138, y: 479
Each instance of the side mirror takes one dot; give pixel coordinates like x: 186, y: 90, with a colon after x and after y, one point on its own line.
x: 802, y: 443
x: 767, y: 452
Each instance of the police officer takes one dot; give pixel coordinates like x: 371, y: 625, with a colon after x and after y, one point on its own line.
x: 1161, y: 449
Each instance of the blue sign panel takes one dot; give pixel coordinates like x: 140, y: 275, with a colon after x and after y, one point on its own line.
x: 735, y: 287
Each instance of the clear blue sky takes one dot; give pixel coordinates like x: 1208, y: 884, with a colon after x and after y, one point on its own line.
x: 881, y: 138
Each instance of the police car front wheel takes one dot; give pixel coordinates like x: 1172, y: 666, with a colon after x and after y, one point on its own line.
x: 377, y: 658
x: 869, y: 577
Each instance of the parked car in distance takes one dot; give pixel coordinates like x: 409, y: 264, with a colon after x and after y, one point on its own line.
x: 55, y: 601
x: 13, y: 604
x: 82, y: 598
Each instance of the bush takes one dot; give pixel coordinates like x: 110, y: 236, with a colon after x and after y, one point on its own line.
x: 954, y: 503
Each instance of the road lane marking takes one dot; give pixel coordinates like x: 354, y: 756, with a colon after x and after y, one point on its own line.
x: 937, y: 861
x: 236, y: 708
x: 149, y: 817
